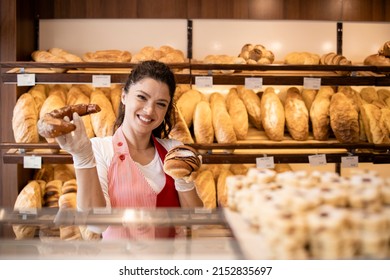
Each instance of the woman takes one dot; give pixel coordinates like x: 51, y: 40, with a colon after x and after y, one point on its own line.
x: 126, y: 170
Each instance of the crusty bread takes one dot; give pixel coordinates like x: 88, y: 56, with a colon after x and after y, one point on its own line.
x: 69, y: 201
x: 369, y: 94
x: 308, y: 96
x: 102, y: 122
x: 45, y: 56
x: 115, y: 98
x: 203, y: 123
x: 297, y: 115
x: 59, y: 90
x: 63, y: 172
x: 384, y: 121
x: 206, y: 189
x: 221, y: 187
x: 180, y: 130
x: 344, y: 119
x: 107, y: 56
x: 24, y: 120
x: 377, y: 60
x: 302, y: 58
x: 272, y: 115
x: 383, y: 94
x: 29, y: 197
x: 222, y: 123
x: 371, y: 116
x: 319, y: 113
x: 238, y: 113
x: 239, y: 169
x: 187, y: 103
x: 39, y: 93
x: 69, y: 57
x: 252, y: 104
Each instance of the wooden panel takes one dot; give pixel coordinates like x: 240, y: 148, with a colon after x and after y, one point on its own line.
x: 218, y: 9
x: 366, y: 10
x: 161, y: 9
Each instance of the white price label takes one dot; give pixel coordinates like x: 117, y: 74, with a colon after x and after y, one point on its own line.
x: 349, y: 162
x: 265, y: 162
x: 312, y: 83
x: 34, y: 162
x: 25, y: 80
x: 316, y: 160
x: 204, y: 81
x: 253, y: 83
x: 101, y: 80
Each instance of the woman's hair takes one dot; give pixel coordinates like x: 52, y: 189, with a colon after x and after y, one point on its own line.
x: 159, y: 72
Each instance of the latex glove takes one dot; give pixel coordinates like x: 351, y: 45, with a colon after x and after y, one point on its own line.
x: 78, y: 144
x: 182, y: 185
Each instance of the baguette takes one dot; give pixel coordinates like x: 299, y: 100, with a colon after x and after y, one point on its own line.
x: 297, y: 115
x: 272, y: 115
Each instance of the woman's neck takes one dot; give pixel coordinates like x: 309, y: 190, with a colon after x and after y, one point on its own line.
x: 138, y: 142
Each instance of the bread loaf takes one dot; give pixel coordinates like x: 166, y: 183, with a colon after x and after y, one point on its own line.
x: 377, y: 60
x: 222, y: 123
x: 180, y: 130
x: 203, y: 123
x: 252, y: 104
x: 319, y: 113
x: 371, y: 116
x: 272, y: 115
x: 74, y: 97
x: 384, y: 121
x: 383, y: 94
x: 187, y: 103
x: 107, y: 56
x: 24, y: 120
x: 297, y: 115
x: 69, y: 57
x: 237, y: 111
x: 308, y: 96
x: 102, y: 122
x: 59, y: 90
x: 369, y: 94
x: 45, y: 56
x: 221, y: 187
x: 39, y: 93
x: 206, y: 189
x: 29, y: 197
x: 344, y: 119
x: 63, y: 172
x: 116, y: 97
x: 68, y: 201
x: 302, y: 58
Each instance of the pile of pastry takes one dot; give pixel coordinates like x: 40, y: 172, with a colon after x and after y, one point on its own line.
x: 346, y: 114
x: 41, y: 99
x: 318, y: 215
x: 53, y: 186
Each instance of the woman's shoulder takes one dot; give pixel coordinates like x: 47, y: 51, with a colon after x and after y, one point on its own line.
x: 102, y: 144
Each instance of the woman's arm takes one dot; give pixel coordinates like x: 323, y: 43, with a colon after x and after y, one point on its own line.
x: 89, y: 191
x: 190, y: 199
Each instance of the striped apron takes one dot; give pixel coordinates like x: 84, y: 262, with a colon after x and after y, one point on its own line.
x: 128, y: 188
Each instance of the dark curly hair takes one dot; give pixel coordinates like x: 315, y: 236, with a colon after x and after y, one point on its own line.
x: 159, y: 72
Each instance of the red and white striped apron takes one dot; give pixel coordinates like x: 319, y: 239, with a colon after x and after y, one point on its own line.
x: 128, y: 188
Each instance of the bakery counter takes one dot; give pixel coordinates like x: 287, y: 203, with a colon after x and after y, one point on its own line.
x: 204, y: 235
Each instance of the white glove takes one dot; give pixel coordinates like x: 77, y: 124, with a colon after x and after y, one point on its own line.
x: 78, y: 144
x: 182, y: 185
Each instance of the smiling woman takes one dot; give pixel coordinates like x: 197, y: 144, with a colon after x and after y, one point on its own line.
x: 126, y: 170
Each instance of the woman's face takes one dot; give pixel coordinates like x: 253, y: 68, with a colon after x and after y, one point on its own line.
x: 146, y: 104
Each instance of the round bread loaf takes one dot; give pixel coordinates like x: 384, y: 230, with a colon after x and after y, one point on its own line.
x: 181, y: 161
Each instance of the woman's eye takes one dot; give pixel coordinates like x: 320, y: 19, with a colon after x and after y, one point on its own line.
x: 163, y: 105
x: 141, y: 97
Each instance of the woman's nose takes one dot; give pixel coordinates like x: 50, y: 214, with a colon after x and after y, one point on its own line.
x: 148, y: 108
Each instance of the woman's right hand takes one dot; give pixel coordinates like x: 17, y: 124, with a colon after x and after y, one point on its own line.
x: 78, y: 144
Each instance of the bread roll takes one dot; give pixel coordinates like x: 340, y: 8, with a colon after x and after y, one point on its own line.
x: 102, y: 122
x: 69, y: 57
x: 384, y: 121
x: 344, y: 119
x: 187, y: 103
x: 239, y: 169
x: 377, y: 60
x: 63, y: 172
x: 203, y: 123
x: 237, y: 111
x: 383, y: 94
x: 252, y: 104
x: 319, y: 113
x: 221, y: 187
x: 371, y: 116
x: 52, y: 193
x: 297, y: 115
x: 181, y: 162
x: 308, y: 96
x: 222, y: 123
x: 45, y: 56
x: 272, y: 115
x: 206, y: 189
x: 68, y: 201
x: 24, y: 120
x: 29, y: 197
x: 302, y: 58
x: 180, y: 130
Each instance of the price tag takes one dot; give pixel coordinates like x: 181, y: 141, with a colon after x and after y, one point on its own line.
x: 25, y: 80
x: 265, y: 162
x: 204, y: 81
x: 312, y: 83
x: 101, y: 80
x: 253, y: 83
x: 349, y: 162
x: 32, y: 162
x: 316, y: 160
